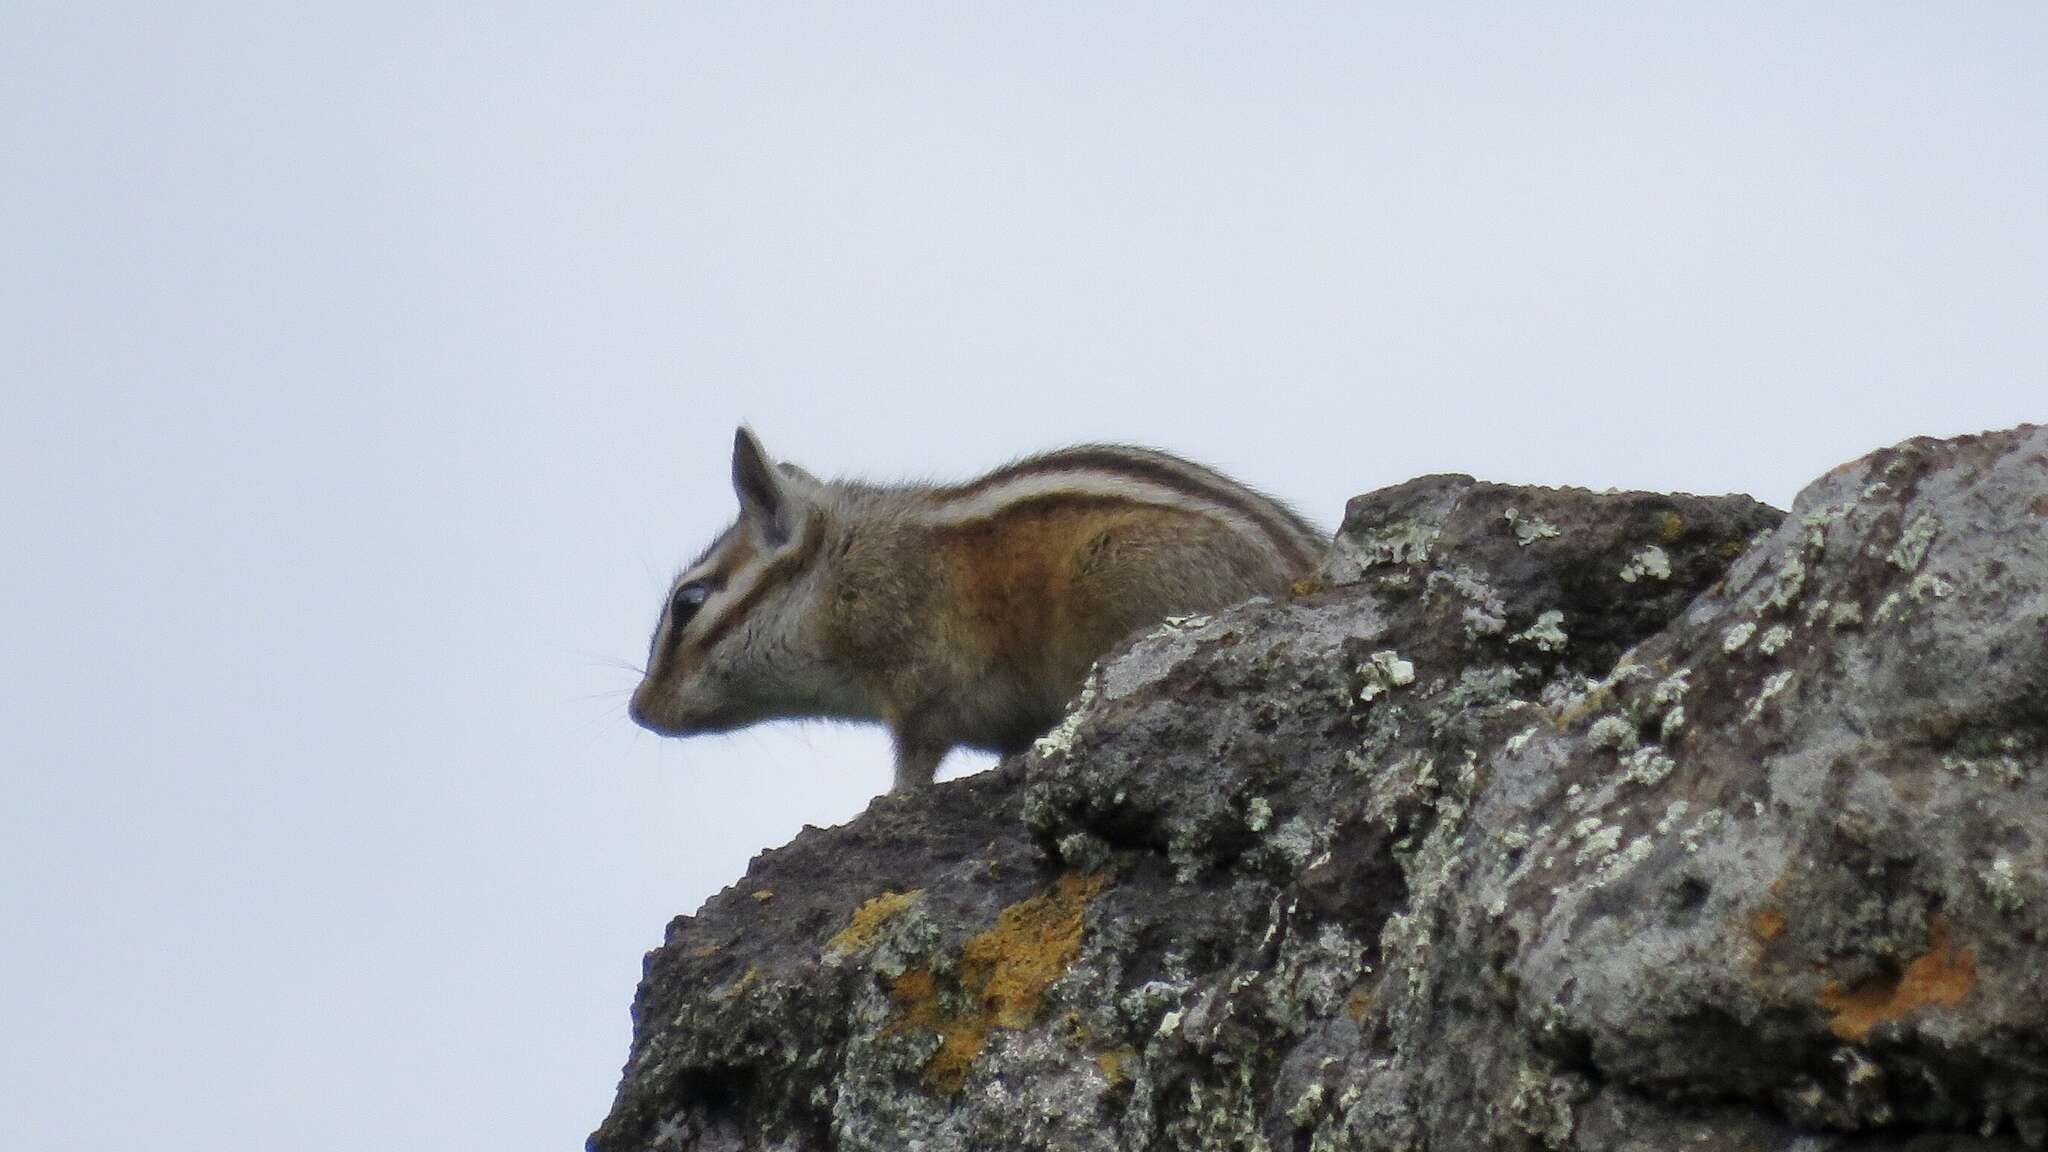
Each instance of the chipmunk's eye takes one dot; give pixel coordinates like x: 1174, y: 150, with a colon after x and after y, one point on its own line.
x: 688, y: 599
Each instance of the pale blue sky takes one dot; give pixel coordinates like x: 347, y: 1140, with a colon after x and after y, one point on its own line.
x: 370, y: 368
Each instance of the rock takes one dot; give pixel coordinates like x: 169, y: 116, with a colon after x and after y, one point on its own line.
x: 1543, y: 819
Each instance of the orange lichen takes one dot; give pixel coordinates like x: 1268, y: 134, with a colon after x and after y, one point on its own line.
x: 1112, y: 1065
x: 1012, y: 964
x: 916, y: 996
x: 1940, y: 978
x: 1673, y: 527
x: 762, y: 895
x: 1357, y: 1005
x: 1004, y: 973
x: 1767, y: 924
x: 913, y: 992
x: 745, y: 982
x: 867, y: 920
x: 1595, y: 701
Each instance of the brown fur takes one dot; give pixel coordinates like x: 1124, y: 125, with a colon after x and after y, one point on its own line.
x: 885, y: 604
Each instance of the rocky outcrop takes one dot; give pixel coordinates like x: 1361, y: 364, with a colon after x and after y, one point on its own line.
x: 1546, y: 819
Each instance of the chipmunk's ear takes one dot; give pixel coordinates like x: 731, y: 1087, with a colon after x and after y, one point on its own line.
x: 796, y: 473
x: 766, y: 500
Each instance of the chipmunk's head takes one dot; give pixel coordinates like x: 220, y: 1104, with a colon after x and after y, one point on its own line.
x: 740, y: 635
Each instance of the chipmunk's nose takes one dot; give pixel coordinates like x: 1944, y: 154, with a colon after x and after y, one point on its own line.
x: 646, y: 711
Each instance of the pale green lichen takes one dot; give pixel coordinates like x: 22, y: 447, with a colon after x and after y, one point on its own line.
x: 1599, y: 843
x: 1487, y: 613
x: 2007, y: 769
x: 1614, y: 732
x: 1923, y: 587
x: 1258, y: 814
x: 1306, y: 1106
x: 1408, y: 938
x: 1383, y: 672
x: 1173, y: 624
x: 1058, y: 741
x: 1521, y: 739
x: 1651, y: 561
x: 1404, y: 542
x: 1477, y: 688
x: 1313, y: 976
x: 1546, y: 634
x: 1790, y: 578
x: 1819, y: 520
x: 1626, y: 671
x: 1773, y: 685
x: 1671, y: 689
x: 1478, y: 623
x: 1529, y: 529
x: 1928, y: 584
x: 1911, y: 548
x: 1466, y: 782
x: 2001, y: 885
x: 1541, y: 1105
x: 1673, y: 813
x: 1648, y: 766
x: 1567, y: 693
x: 1673, y: 721
x: 1084, y: 851
x: 1619, y: 864
x: 1708, y: 822
x: 1295, y: 842
x: 1737, y: 636
x: 1775, y: 638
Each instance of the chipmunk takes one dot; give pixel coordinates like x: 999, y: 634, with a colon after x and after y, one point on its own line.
x: 959, y: 615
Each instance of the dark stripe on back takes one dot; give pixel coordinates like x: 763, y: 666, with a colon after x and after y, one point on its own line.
x: 1280, y: 524
x: 1045, y: 502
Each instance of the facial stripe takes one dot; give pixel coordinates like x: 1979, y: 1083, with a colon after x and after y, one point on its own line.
x: 716, y: 567
x: 745, y: 593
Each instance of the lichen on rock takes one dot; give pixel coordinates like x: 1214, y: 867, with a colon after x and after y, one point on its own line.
x: 1751, y: 859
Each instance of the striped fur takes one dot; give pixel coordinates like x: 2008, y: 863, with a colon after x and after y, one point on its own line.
x: 965, y: 614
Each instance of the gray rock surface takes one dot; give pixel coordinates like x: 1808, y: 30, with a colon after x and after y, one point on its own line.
x: 1547, y: 819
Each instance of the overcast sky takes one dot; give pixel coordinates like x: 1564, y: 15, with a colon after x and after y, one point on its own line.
x: 369, y: 371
